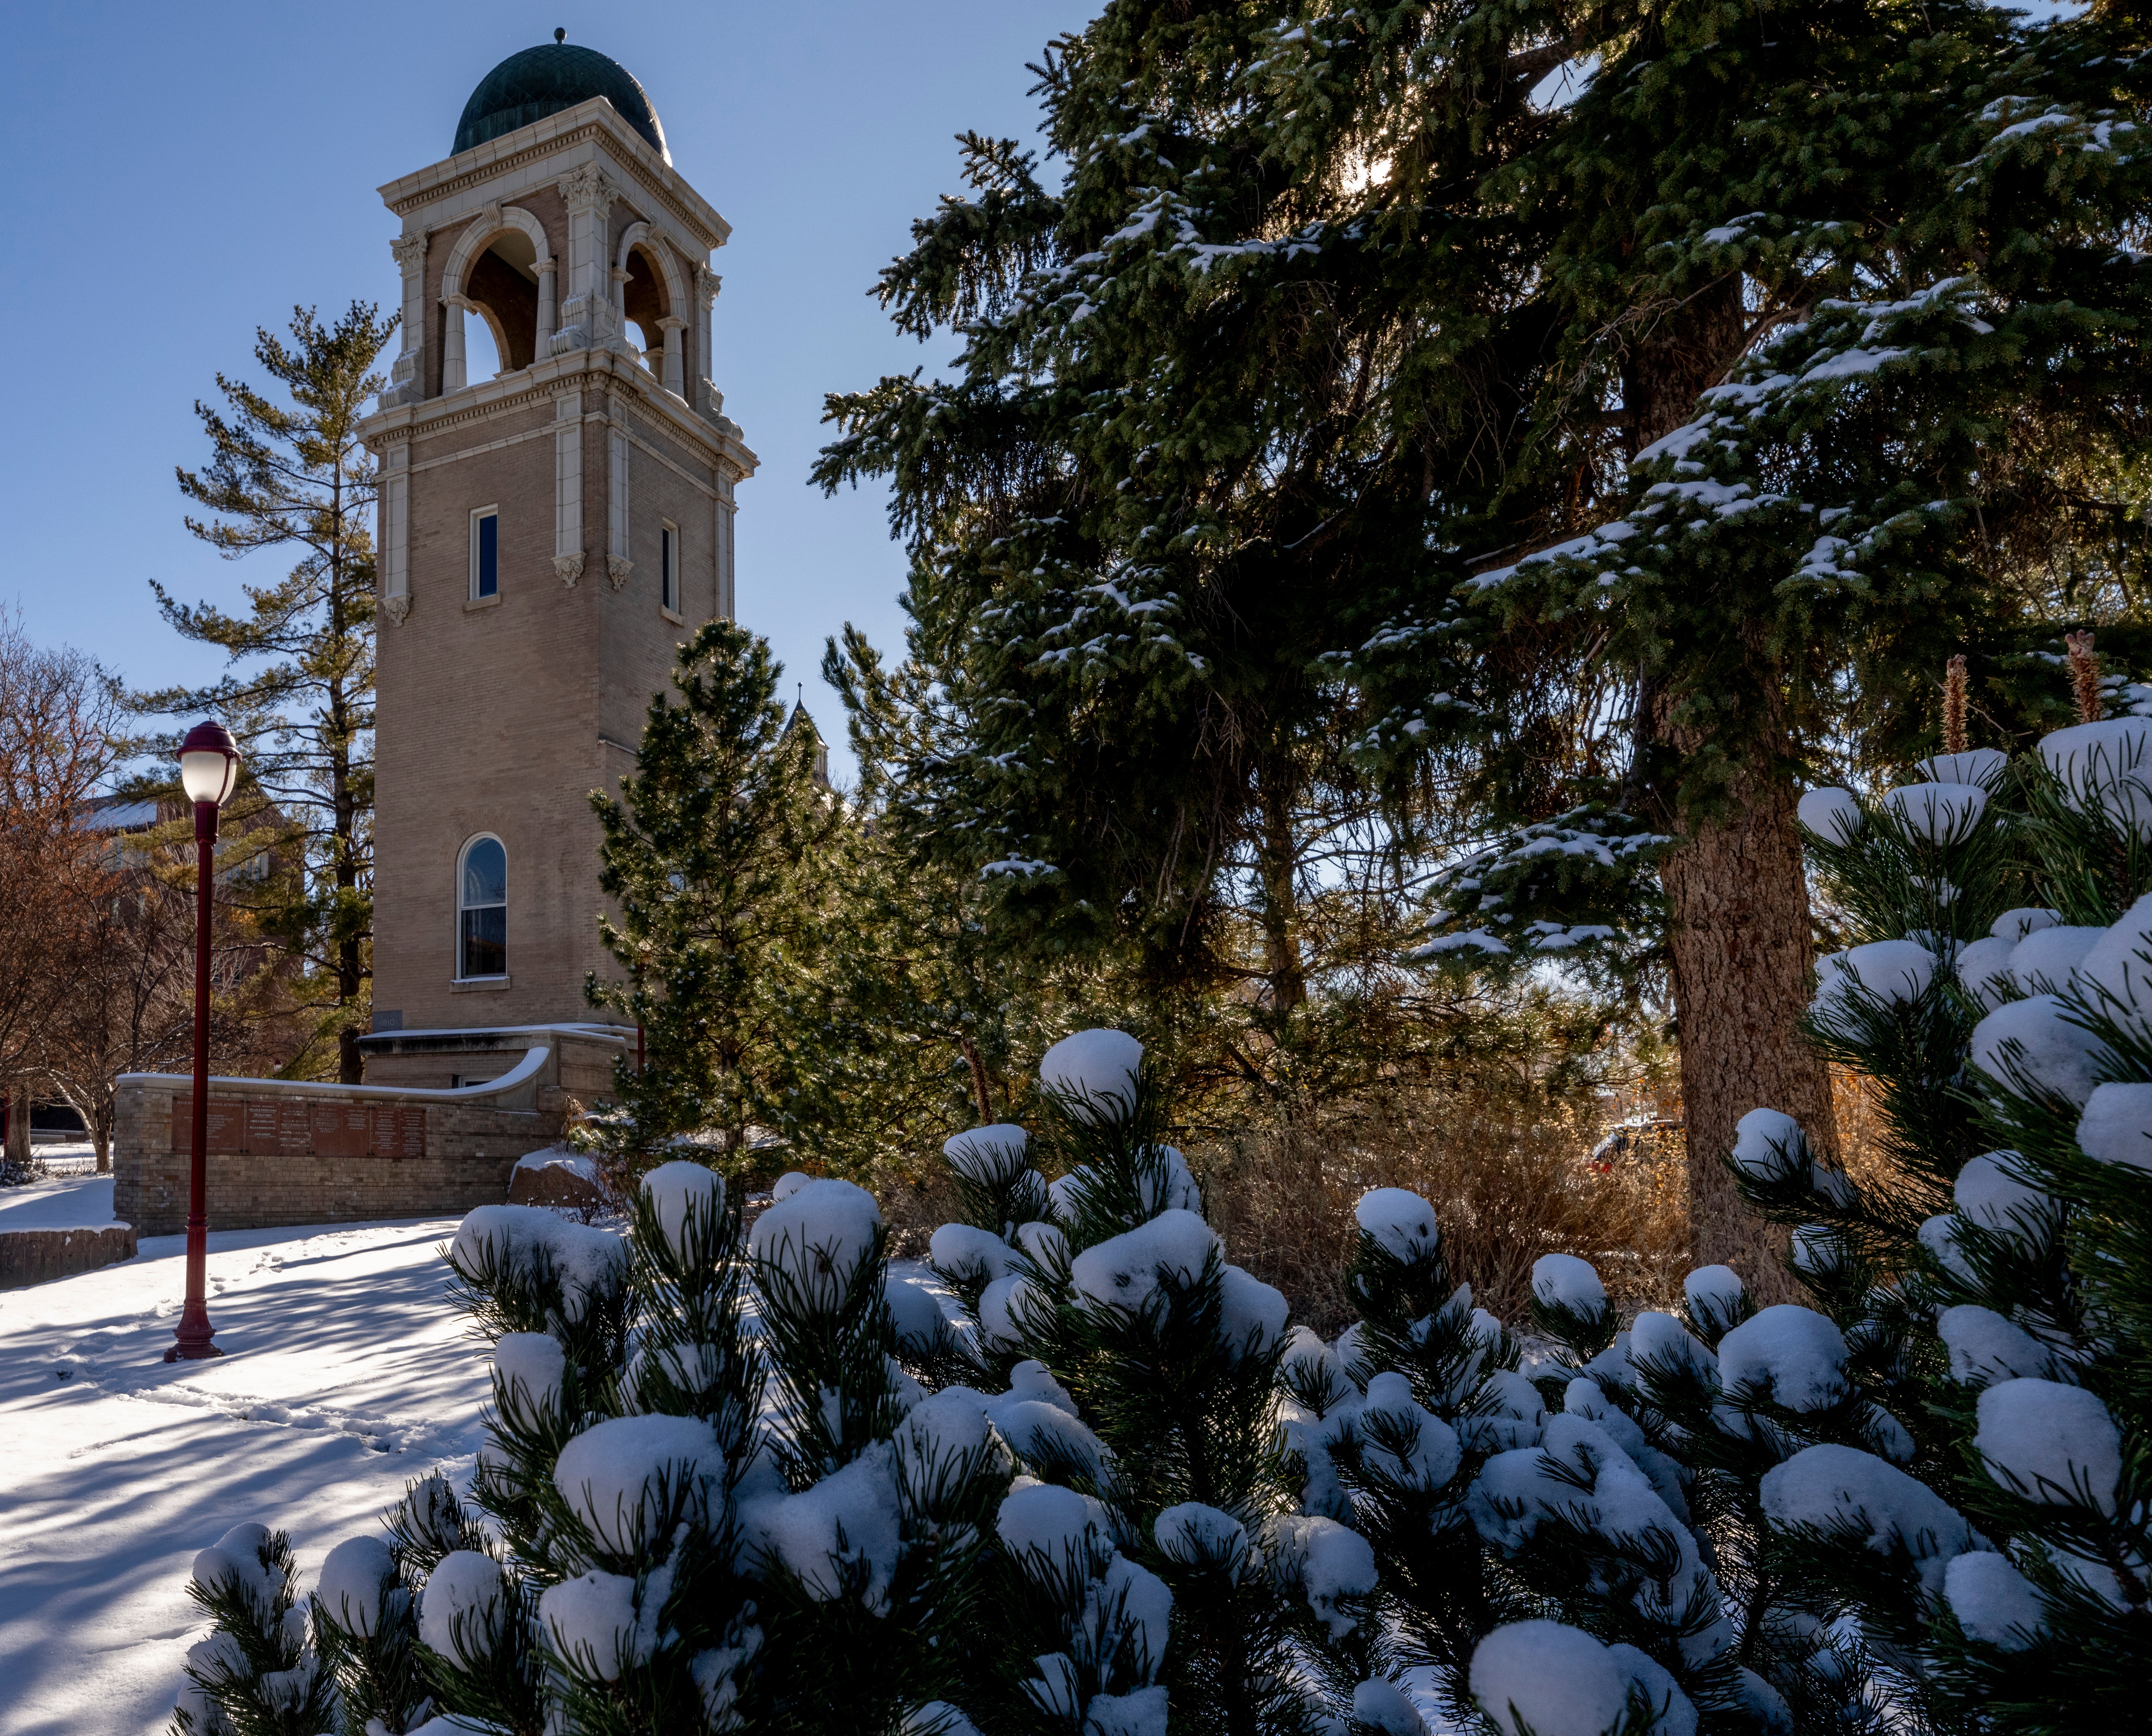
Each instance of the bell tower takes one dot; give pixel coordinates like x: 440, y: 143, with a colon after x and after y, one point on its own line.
x: 548, y: 534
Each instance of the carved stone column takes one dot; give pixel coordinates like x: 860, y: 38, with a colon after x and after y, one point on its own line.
x: 616, y: 325
x: 548, y: 271
x: 589, y: 196
x: 452, y: 343
x: 568, y: 487
x: 675, y: 381
x: 707, y: 286
x: 394, y: 514
x: 406, y: 378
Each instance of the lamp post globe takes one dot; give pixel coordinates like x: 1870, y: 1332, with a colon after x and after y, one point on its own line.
x: 209, y: 769
x: 209, y: 764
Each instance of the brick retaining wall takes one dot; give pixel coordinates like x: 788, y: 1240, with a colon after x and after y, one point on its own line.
x: 32, y: 1256
x: 284, y: 1153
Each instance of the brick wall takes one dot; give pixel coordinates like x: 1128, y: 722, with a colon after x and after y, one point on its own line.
x: 300, y: 1153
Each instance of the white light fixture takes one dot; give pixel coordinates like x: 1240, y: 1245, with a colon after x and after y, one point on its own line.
x: 209, y: 764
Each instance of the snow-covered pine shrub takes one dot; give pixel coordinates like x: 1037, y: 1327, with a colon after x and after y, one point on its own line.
x: 1391, y: 1425
x: 257, y: 1673
x: 1567, y: 1532
x: 1991, y: 1286
x: 1164, y: 1557
x: 679, y: 1522
x: 878, y: 1501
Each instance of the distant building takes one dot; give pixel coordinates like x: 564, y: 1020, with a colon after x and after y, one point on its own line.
x: 548, y: 535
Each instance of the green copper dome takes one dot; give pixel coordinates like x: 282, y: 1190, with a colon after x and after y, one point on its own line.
x: 542, y: 81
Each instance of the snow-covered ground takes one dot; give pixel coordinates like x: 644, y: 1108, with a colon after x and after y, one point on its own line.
x: 347, y: 1373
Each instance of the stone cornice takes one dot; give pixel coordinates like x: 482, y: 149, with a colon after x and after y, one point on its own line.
x: 588, y: 122
x: 544, y: 380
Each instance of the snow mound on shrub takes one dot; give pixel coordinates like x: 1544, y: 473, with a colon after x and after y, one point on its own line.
x: 1579, y: 1476
x: 1124, y: 1271
x: 1984, y: 1347
x: 1895, y: 973
x: 1832, y: 813
x: 1251, y: 1314
x: 613, y: 1473
x: 2116, y: 976
x: 1545, y: 1678
x: 530, y: 1368
x: 1984, y: 766
x: 2031, y: 1037
x: 1053, y: 1525
x: 817, y: 1235
x: 2043, y: 963
x: 1990, y: 1194
x: 356, y: 1576
x: 1403, y: 1441
x: 1096, y: 1071
x: 1938, y: 813
x: 678, y: 1189
x: 591, y: 1620
x: 915, y: 1311
x: 1835, y: 1487
x: 1993, y: 1601
x: 968, y: 1254
x: 234, y: 1559
x: 848, y: 1519
x: 2013, y: 925
x: 1045, y: 1435
x: 2050, y: 1442
x: 1768, y: 1143
x: 1401, y: 1222
x: 1562, y: 1280
x: 1197, y: 1535
x: 988, y: 1154
x: 1142, y: 1712
x: 1382, y: 1706
x: 2116, y: 1127
x: 1983, y: 967
x: 1791, y: 1354
x: 1662, y: 1339
x: 590, y: 1263
x: 1331, y: 1561
x: 2103, y: 768
x: 1714, y: 1295
x: 459, y: 1610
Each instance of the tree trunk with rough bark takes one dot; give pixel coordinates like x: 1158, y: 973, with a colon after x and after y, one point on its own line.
x: 1739, y: 935
x: 1742, y: 951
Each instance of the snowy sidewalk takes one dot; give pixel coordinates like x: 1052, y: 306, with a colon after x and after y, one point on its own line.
x: 348, y: 1373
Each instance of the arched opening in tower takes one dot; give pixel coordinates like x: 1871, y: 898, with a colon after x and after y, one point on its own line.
x: 643, y: 303
x: 502, y: 281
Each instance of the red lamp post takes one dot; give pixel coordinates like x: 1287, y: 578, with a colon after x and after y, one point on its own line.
x: 209, y: 767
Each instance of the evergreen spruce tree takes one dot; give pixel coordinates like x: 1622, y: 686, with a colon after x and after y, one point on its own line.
x: 295, y: 476
x: 1331, y: 317
x: 715, y: 857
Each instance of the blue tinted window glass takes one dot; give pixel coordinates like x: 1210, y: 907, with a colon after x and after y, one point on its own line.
x: 488, y: 555
x: 482, y: 922
x: 485, y: 873
x: 486, y: 943
x: 672, y: 584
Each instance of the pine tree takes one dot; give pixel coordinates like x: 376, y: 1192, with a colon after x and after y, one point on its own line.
x: 1330, y: 319
x: 715, y: 858
x: 295, y: 476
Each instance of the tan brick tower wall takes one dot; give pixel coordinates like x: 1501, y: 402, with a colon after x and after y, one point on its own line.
x: 500, y: 715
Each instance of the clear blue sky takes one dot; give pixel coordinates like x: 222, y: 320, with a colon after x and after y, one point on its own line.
x: 182, y: 174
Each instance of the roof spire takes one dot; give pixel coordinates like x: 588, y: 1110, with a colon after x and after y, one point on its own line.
x: 561, y: 35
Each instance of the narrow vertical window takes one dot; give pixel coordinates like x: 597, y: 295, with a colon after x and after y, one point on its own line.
x: 482, y: 911
x: 485, y: 553
x: 668, y: 548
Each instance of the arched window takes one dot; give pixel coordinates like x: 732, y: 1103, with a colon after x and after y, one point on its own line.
x: 482, y: 911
